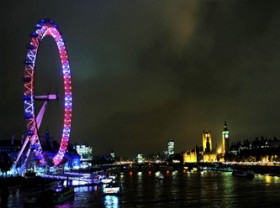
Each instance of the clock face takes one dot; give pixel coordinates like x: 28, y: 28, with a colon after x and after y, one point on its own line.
x: 226, y: 136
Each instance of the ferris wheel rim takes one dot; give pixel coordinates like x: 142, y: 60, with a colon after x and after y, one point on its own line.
x: 43, y: 28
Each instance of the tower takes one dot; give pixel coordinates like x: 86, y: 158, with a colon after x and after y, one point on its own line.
x: 225, y: 139
x: 170, y: 147
x: 206, y: 141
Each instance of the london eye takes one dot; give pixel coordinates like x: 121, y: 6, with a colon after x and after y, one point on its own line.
x: 33, y: 120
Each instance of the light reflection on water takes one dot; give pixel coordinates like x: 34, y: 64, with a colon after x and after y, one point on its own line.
x: 65, y: 205
x: 111, y: 201
x: 178, y: 189
x: 85, y: 188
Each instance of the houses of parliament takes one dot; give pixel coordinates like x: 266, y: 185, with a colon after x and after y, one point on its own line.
x: 208, y: 153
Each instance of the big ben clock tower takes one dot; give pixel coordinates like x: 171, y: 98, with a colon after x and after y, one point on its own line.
x: 225, y: 139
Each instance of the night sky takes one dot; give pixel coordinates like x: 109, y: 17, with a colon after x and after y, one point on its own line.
x: 147, y: 71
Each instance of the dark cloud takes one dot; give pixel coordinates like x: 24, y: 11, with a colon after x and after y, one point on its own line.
x: 145, y: 72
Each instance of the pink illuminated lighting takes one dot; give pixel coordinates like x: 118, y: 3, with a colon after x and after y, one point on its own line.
x: 45, y: 28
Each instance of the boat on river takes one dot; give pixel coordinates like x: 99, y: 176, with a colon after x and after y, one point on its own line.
x: 106, y: 180
x: 112, y: 188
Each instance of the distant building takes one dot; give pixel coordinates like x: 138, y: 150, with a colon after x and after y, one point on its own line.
x: 140, y: 158
x: 275, y: 143
x: 49, y: 146
x: 170, y: 147
x: 258, y: 150
x: 11, y: 146
x: 73, y: 160
x: 113, y: 155
x: 225, y: 140
x: 85, y: 153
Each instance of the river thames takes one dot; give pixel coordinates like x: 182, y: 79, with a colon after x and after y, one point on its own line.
x: 177, y: 189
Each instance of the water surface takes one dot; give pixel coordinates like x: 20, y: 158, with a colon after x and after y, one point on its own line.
x: 177, y: 189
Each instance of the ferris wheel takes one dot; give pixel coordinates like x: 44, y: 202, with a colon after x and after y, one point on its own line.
x: 43, y: 28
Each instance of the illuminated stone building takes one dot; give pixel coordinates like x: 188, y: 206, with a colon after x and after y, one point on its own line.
x: 208, y: 154
x: 190, y: 156
x: 206, y: 141
x: 209, y: 157
x: 225, y: 140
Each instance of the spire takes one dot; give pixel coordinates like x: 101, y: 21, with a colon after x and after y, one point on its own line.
x: 225, y: 126
x: 47, y: 135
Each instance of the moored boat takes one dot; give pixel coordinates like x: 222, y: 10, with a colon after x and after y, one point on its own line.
x: 112, y: 188
x: 106, y: 180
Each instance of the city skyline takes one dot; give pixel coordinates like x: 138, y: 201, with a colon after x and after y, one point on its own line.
x: 144, y: 73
